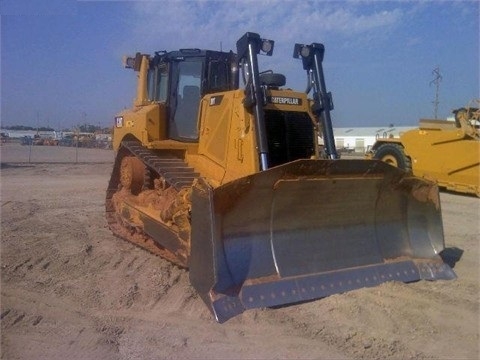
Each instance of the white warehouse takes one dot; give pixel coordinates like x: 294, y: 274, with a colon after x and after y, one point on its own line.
x: 361, y: 139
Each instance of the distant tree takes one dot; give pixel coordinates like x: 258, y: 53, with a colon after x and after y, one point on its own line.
x: 88, y: 128
x: 27, y: 128
x: 18, y: 127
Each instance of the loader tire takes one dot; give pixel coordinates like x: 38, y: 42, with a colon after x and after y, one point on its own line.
x: 394, y: 155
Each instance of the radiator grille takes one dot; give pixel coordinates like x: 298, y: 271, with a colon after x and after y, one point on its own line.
x: 290, y: 136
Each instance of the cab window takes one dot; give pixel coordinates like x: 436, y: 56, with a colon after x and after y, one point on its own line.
x: 218, y: 76
x: 188, y: 94
x: 157, y: 83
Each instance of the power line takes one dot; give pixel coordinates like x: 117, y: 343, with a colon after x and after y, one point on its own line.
x: 436, y: 81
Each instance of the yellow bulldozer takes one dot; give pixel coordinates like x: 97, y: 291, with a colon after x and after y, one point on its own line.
x: 444, y: 151
x: 218, y: 169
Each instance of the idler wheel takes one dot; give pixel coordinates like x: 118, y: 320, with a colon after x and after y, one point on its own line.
x: 132, y: 174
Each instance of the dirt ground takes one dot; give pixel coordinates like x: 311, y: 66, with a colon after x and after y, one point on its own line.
x: 71, y: 290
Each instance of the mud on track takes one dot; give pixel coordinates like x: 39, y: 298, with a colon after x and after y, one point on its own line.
x: 69, y: 289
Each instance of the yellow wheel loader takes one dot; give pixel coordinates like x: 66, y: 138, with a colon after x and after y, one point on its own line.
x: 225, y: 177
x: 447, y: 152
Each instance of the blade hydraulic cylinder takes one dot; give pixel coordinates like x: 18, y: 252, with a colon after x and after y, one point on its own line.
x: 312, y: 58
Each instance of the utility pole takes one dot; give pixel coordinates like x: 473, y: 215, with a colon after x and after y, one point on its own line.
x: 436, y: 81
x: 38, y: 121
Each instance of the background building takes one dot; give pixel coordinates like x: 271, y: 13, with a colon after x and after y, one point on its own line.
x: 361, y: 139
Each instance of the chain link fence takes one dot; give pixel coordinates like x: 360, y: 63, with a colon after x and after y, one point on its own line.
x: 15, y: 152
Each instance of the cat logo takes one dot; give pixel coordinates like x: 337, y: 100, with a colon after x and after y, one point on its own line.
x: 216, y: 100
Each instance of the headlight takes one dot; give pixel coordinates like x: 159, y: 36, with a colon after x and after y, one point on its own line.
x: 267, y: 46
x: 128, y: 62
x: 305, y: 51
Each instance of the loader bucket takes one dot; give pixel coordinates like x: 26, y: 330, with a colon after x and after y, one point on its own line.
x: 309, y: 229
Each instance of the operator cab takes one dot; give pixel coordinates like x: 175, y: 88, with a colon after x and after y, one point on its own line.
x: 181, y: 78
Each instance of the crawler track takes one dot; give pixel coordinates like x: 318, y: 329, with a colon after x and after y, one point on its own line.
x: 176, y: 174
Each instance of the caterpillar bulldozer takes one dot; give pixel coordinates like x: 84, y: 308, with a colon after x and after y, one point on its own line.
x: 218, y: 170
x: 447, y: 152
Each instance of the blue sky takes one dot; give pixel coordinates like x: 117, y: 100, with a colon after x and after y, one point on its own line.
x: 61, y: 59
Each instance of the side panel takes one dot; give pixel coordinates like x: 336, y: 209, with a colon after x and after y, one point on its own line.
x: 242, y: 152
x: 146, y: 123
x: 226, y: 148
x: 216, y: 113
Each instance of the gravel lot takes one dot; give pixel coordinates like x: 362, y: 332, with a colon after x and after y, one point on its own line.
x: 71, y: 290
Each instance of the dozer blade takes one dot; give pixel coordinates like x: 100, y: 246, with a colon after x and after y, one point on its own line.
x: 309, y: 229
